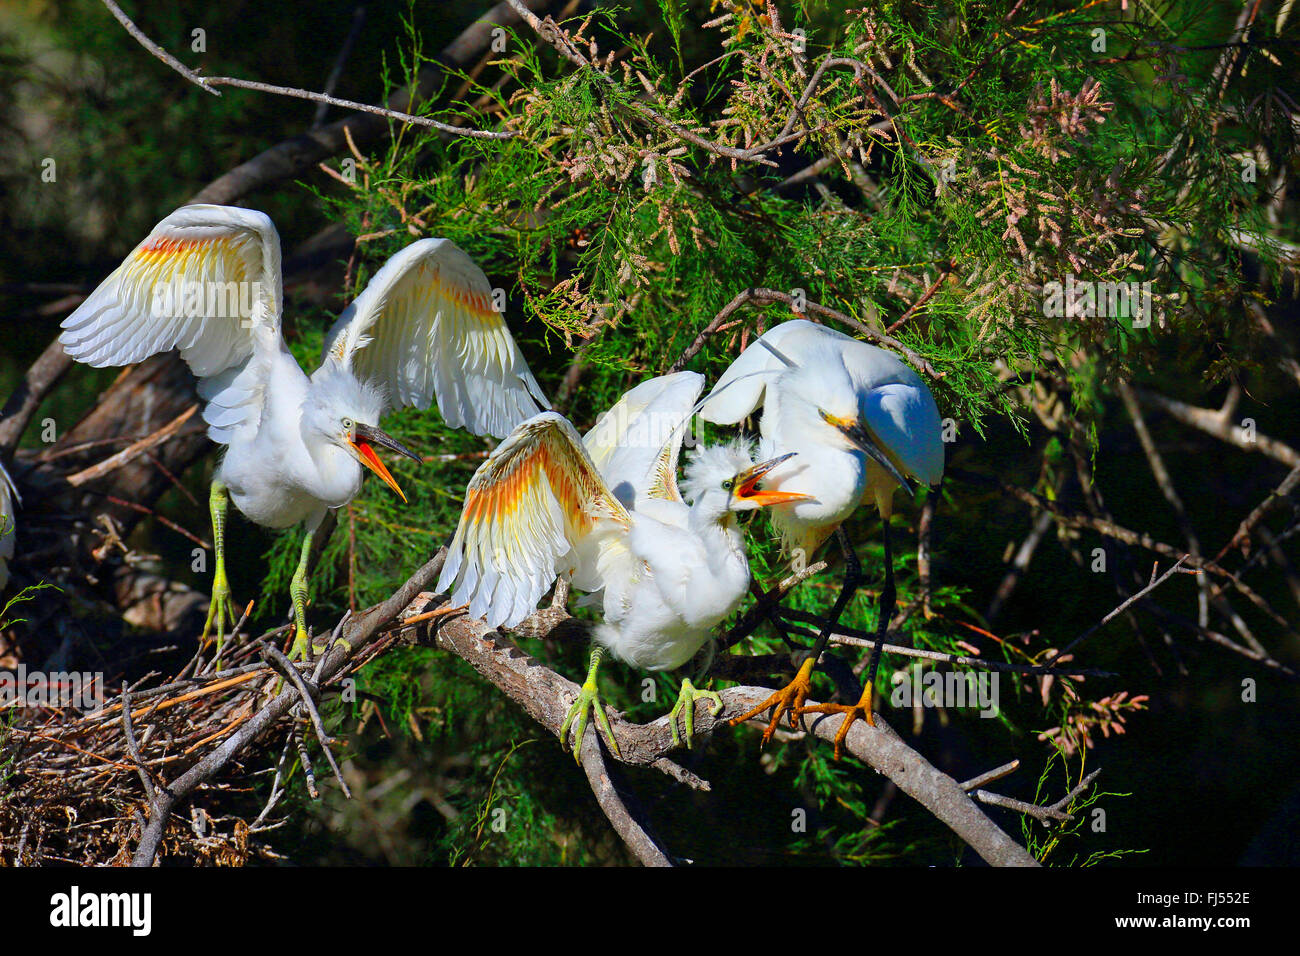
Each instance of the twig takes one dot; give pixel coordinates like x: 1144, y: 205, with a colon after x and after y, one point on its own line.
x: 131, y: 746
x: 1275, y: 497
x: 208, y: 84
x: 1132, y: 599
x: 309, y: 704
x: 1046, y: 815
x: 996, y: 774
x: 132, y: 451
x: 929, y: 293
x: 852, y: 637
x: 1043, y: 814
x: 155, y: 49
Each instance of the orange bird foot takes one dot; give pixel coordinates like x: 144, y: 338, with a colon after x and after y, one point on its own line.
x: 789, y: 699
x: 859, y: 711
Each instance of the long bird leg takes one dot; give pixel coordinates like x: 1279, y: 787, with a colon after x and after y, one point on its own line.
x: 863, y: 708
x: 221, y: 608
x: 789, y: 699
x: 588, y: 700
x: 298, y: 592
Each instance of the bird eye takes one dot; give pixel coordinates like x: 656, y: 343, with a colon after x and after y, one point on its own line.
x: 728, y: 484
x: 347, y: 423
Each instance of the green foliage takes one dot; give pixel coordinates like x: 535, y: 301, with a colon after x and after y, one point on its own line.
x: 1043, y: 842
x: 616, y: 236
x: 969, y: 153
x: 26, y: 594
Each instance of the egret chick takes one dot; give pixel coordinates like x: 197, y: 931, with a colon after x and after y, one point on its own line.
x: 207, y: 281
x: 606, y: 513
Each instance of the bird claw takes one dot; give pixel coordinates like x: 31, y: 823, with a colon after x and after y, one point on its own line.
x: 789, y: 699
x: 221, y: 609
x: 588, y: 700
x: 686, y: 706
x: 862, y: 710
x: 301, y: 649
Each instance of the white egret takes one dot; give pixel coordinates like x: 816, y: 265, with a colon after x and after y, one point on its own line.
x: 207, y: 282
x: 862, y: 424
x: 605, y: 511
x: 9, y: 500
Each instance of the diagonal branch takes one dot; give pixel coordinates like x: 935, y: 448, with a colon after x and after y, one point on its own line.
x: 546, y: 696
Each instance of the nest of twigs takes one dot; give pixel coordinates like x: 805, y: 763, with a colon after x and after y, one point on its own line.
x: 79, y: 787
x: 168, y: 767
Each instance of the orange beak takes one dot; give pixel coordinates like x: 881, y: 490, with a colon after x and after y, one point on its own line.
x: 747, y: 485
x: 364, y: 436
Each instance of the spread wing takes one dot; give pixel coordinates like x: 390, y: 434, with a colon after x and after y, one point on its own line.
x: 424, y: 328
x: 206, y: 281
x: 635, y: 444
x: 536, y: 505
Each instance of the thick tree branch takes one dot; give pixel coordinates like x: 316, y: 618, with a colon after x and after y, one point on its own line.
x: 546, y: 697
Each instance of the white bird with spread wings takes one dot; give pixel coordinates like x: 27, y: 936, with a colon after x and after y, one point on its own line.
x: 207, y: 281
x: 605, y: 511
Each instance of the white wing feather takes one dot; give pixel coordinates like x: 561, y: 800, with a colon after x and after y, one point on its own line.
x: 635, y: 444
x: 206, y: 281
x: 740, y: 390
x: 905, y: 420
x: 535, y: 508
x: 424, y: 328
x: 899, y: 408
x: 8, y: 499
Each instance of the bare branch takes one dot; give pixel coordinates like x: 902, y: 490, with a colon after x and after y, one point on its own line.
x: 209, y: 84
x: 546, y: 696
x: 761, y: 295
x: 131, y: 452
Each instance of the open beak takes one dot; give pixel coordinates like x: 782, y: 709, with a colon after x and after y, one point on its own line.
x: 366, y: 436
x: 747, y: 482
x: 860, y: 435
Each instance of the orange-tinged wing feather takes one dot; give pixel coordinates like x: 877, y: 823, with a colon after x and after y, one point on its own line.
x: 536, y: 505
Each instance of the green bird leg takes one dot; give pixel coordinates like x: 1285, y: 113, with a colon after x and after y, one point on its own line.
x: 298, y: 591
x: 686, y: 707
x: 221, y: 609
x: 588, y: 699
